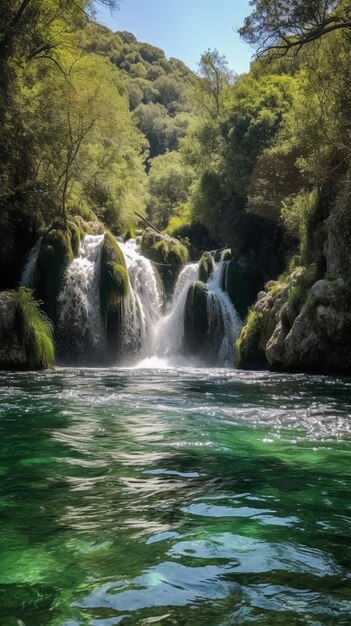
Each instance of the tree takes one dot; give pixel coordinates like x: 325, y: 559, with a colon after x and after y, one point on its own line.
x: 40, y: 26
x: 280, y: 25
x: 169, y: 181
x: 215, y: 78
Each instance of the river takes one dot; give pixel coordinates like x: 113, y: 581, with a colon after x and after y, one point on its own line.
x: 196, y: 497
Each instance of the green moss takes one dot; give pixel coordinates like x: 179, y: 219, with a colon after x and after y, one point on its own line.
x: 275, y: 288
x: 111, y: 252
x: 54, y: 256
x: 226, y: 255
x: 130, y: 234
x: 195, y: 319
x: 114, y: 282
x: 75, y: 235
x: 168, y: 254
x: 299, y: 292
x: 249, y: 353
x: 206, y: 266
x: 34, y: 330
x: 114, y: 286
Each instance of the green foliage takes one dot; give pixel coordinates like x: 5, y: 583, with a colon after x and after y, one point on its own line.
x: 280, y: 26
x: 249, y: 353
x: 130, y: 234
x: 212, y: 88
x: 34, y: 330
x: 206, y: 266
x: 296, y: 213
x: 299, y: 290
x: 169, y: 183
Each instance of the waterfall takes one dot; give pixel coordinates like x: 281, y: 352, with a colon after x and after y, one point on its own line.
x: 29, y: 270
x: 141, y: 312
x: 140, y: 329
x: 223, y: 320
x: 224, y: 323
x: 170, y: 330
x: 80, y: 329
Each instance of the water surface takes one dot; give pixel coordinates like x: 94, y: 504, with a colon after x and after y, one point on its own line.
x: 188, y: 497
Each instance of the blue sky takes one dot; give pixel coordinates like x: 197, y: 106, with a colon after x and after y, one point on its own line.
x: 185, y: 28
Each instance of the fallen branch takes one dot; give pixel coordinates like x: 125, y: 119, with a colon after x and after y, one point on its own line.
x: 141, y: 217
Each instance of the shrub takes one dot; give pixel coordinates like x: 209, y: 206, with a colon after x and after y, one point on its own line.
x: 249, y: 354
x: 34, y: 330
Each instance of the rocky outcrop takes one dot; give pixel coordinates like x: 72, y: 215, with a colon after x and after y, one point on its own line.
x: 296, y: 328
x: 320, y: 337
x: 12, y: 349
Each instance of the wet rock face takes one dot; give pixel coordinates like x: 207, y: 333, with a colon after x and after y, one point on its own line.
x: 12, y: 350
x: 317, y: 339
x: 337, y: 248
x: 320, y: 337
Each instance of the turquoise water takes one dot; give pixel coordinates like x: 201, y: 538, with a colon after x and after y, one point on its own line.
x: 187, y: 497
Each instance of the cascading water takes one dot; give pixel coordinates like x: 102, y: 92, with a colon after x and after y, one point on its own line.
x: 29, y: 270
x: 224, y: 323
x: 80, y: 329
x: 142, y: 310
x: 142, y: 331
x: 170, y: 330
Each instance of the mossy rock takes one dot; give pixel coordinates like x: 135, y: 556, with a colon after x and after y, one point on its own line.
x: 26, y: 340
x: 226, y: 255
x: 195, y: 319
x: 54, y: 256
x: 249, y: 352
x: 206, y: 266
x: 76, y: 234
x: 114, y: 287
x: 168, y: 254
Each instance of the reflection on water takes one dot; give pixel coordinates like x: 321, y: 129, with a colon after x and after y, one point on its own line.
x: 182, y: 496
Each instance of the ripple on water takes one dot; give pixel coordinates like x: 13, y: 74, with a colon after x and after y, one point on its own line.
x: 179, y: 496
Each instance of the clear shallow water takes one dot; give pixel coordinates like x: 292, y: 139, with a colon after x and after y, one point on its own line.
x: 187, y: 497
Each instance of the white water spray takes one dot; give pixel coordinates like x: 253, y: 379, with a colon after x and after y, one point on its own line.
x: 223, y: 320
x: 141, y: 313
x: 170, y: 330
x: 80, y: 326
